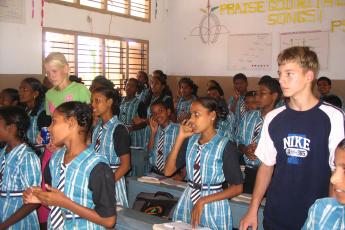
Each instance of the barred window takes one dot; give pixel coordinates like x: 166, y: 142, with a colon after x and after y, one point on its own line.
x: 138, y: 9
x: 88, y: 55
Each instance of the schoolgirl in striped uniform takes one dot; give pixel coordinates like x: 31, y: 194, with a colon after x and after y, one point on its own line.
x: 111, y: 139
x: 144, y: 88
x: 19, y: 169
x: 226, y: 119
x: 163, y: 133
x: 210, y: 161
x: 130, y: 108
x: 79, y: 182
x: 188, y: 92
x: 249, y: 130
x: 31, y: 95
x: 328, y: 213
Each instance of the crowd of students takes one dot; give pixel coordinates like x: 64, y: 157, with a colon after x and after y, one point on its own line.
x: 288, y: 141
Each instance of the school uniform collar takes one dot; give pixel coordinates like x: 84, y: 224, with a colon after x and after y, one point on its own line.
x: 131, y: 100
x: 111, y: 121
x: 210, y: 143
x: 80, y: 158
x: 166, y: 128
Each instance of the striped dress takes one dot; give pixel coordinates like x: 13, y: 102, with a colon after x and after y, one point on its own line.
x: 76, y: 185
x: 237, y: 112
x: 33, y: 128
x: 326, y: 213
x: 129, y: 110
x: 143, y: 94
x: 107, y: 149
x: 171, y: 132
x: 215, y: 215
x: 245, y: 133
x: 183, y: 106
x: 22, y: 170
x: 227, y: 127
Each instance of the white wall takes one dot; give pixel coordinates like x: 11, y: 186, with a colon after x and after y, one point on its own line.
x: 171, y: 47
x: 21, y: 44
x: 187, y: 55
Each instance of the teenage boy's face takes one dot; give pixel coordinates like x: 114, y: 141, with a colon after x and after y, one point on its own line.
x: 250, y: 103
x: 338, y: 176
x: 56, y: 75
x: 264, y: 97
x: 323, y: 87
x: 160, y: 114
x: 241, y: 86
x: 293, y: 80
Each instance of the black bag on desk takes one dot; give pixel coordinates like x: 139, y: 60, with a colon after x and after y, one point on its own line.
x: 158, y: 204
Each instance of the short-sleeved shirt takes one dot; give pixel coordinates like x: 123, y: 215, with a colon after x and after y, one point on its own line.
x: 102, y: 184
x: 326, y: 213
x: 301, y: 145
x: 231, y: 165
x: 122, y: 140
x: 73, y: 92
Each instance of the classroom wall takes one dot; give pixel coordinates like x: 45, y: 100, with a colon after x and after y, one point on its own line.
x: 21, y: 43
x: 187, y: 55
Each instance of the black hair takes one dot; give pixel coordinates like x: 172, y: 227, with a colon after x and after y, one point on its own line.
x: 36, y: 85
x: 160, y: 73
x: 264, y: 78
x: 161, y: 77
x: 274, y: 86
x: 240, y: 76
x: 250, y: 94
x: 218, y: 89
x: 81, y: 111
x: 211, y: 105
x: 326, y: 79
x: 12, y: 93
x: 341, y: 145
x: 190, y: 83
x: 102, y: 81
x: 214, y: 82
x: 159, y: 102
x: 113, y: 94
x: 16, y: 115
x: 333, y: 100
x: 75, y: 78
x: 136, y: 82
x: 144, y: 74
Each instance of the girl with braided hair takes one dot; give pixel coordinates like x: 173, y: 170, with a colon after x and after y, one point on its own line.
x: 80, y: 188
x: 19, y: 169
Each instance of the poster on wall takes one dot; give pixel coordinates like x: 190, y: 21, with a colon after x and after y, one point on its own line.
x: 318, y: 41
x: 251, y: 52
x: 12, y: 11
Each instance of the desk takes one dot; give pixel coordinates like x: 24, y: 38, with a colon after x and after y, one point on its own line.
x: 129, y: 219
x: 135, y: 187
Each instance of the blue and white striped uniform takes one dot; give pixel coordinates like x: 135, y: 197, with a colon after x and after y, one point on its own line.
x: 107, y: 149
x: 183, y: 106
x: 143, y: 94
x: 129, y: 110
x: 171, y: 132
x: 215, y: 215
x: 227, y: 127
x: 237, y: 112
x: 245, y: 133
x: 76, y: 185
x: 326, y: 213
x: 22, y: 170
x: 33, y: 129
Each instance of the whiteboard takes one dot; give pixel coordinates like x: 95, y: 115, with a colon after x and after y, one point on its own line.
x: 12, y: 11
x: 250, y: 52
x: 318, y: 41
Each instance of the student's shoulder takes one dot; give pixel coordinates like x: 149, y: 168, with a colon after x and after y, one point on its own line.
x: 326, y: 203
x: 274, y: 113
x: 331, y: 110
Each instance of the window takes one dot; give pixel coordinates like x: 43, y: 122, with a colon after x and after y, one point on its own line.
x: 90, y: 55
x: 138, y: 9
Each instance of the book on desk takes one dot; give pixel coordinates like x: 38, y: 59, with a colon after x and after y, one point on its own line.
x: 177, y: 225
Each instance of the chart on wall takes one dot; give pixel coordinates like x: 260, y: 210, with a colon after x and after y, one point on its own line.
x: 318, y: 41
x: 250, y: 52
x: 12, y: 11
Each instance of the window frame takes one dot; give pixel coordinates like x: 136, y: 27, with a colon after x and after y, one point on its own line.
x: 104, y: 11
x: 126, y: 71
